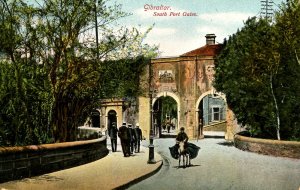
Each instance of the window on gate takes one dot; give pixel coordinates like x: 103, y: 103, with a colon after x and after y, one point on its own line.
x: 216, y: 114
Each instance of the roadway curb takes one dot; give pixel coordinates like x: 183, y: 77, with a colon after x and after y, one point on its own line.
x: 139, y: 179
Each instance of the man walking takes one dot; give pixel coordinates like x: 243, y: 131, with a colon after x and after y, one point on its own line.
x: 123, y: 135
x: 113, y: 137
x: 131, y: 137
x: 139, y: 137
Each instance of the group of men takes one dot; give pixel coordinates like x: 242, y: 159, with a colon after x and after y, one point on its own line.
x: 130, y: 138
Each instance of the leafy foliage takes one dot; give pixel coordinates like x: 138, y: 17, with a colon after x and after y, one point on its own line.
x: 55, y: 74
x: 25, y: 99
x: 169, y: 107
x: 121, y: 77
x: 259, y: 73
x: 288, y: 37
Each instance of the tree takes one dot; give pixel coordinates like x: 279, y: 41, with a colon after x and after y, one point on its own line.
x: 259, y: 74
x: 169, y: 107
x: 242, y: 74
x: 125, y: 83
x: 24, y: 95
x: 55, y: 36
x: 287, y: 28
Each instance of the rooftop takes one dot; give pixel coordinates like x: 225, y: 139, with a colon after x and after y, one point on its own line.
x: 207, y: 50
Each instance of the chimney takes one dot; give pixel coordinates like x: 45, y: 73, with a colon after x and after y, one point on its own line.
x: 210, y: 39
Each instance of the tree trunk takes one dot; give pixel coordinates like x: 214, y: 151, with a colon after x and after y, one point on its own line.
x: 297, y: 55
x: 66, y: 114
x: 276, y: 108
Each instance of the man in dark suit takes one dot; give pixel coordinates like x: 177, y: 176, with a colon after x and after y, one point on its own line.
x: 132, y: 138
x: 124, y: 137
x: 139, y: 137
x: 113, y: 136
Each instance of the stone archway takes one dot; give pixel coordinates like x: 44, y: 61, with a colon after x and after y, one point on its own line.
x: 200, y: 113
x: 111, y: 118
x: 174, y: 97
x: 95, y: 117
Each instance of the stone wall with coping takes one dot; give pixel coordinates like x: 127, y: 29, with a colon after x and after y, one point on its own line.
x: 289, y: 149
x: 28, y: 161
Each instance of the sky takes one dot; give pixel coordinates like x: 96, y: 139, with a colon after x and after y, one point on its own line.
x: 179, y: 34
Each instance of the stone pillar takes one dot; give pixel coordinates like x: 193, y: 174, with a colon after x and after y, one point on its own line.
x: 144, y: 116
x: 232, y: 125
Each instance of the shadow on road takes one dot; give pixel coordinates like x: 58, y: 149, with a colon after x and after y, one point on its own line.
x: 226, y: 143
x: 186, y: 166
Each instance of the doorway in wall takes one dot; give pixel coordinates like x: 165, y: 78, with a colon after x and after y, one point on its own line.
x: 165, y: 116
x: 111, y: 117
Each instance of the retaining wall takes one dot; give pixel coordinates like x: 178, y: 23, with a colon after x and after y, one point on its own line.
x: 289, y: 149
x: 27, y: 161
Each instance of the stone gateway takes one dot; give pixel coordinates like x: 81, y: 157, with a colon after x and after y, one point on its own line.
x: 188, y: 80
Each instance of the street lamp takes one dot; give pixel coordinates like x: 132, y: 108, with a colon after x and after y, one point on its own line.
x: 151, y: 159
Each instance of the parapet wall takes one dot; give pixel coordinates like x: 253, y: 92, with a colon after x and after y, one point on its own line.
x: 289, y: 149
x: 27, y: 161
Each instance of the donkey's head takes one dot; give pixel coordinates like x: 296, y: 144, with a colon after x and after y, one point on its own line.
x: 181, y: 149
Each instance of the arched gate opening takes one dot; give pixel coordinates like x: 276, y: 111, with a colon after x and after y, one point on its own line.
x: 211, y: 113
x: 166, y: 109
x: 95, y: 117
x: 111, y: 118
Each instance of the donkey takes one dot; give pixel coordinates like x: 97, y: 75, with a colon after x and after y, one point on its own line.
x: 183, y: 153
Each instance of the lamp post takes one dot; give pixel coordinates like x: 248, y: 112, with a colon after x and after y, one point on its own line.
x: 151, y: 159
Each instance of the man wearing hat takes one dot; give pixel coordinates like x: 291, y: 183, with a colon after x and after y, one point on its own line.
x: 182, y: 137
x: 139, y: 137
x: 132, y: 138
x: 123, y: 135
x: 113, y: 136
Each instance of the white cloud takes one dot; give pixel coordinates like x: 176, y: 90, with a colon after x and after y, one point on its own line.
x: 210, y: 29
x: 157, y: 32
x: 171, y: 47
x: 162, y: 31
x: 164, y: 37
x: 222, y: 24
x: 225, y: 18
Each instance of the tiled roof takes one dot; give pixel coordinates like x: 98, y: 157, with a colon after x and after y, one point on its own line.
x: 207, y: 50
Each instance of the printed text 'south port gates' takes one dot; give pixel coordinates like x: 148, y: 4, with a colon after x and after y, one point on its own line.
x: 163, y: 11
